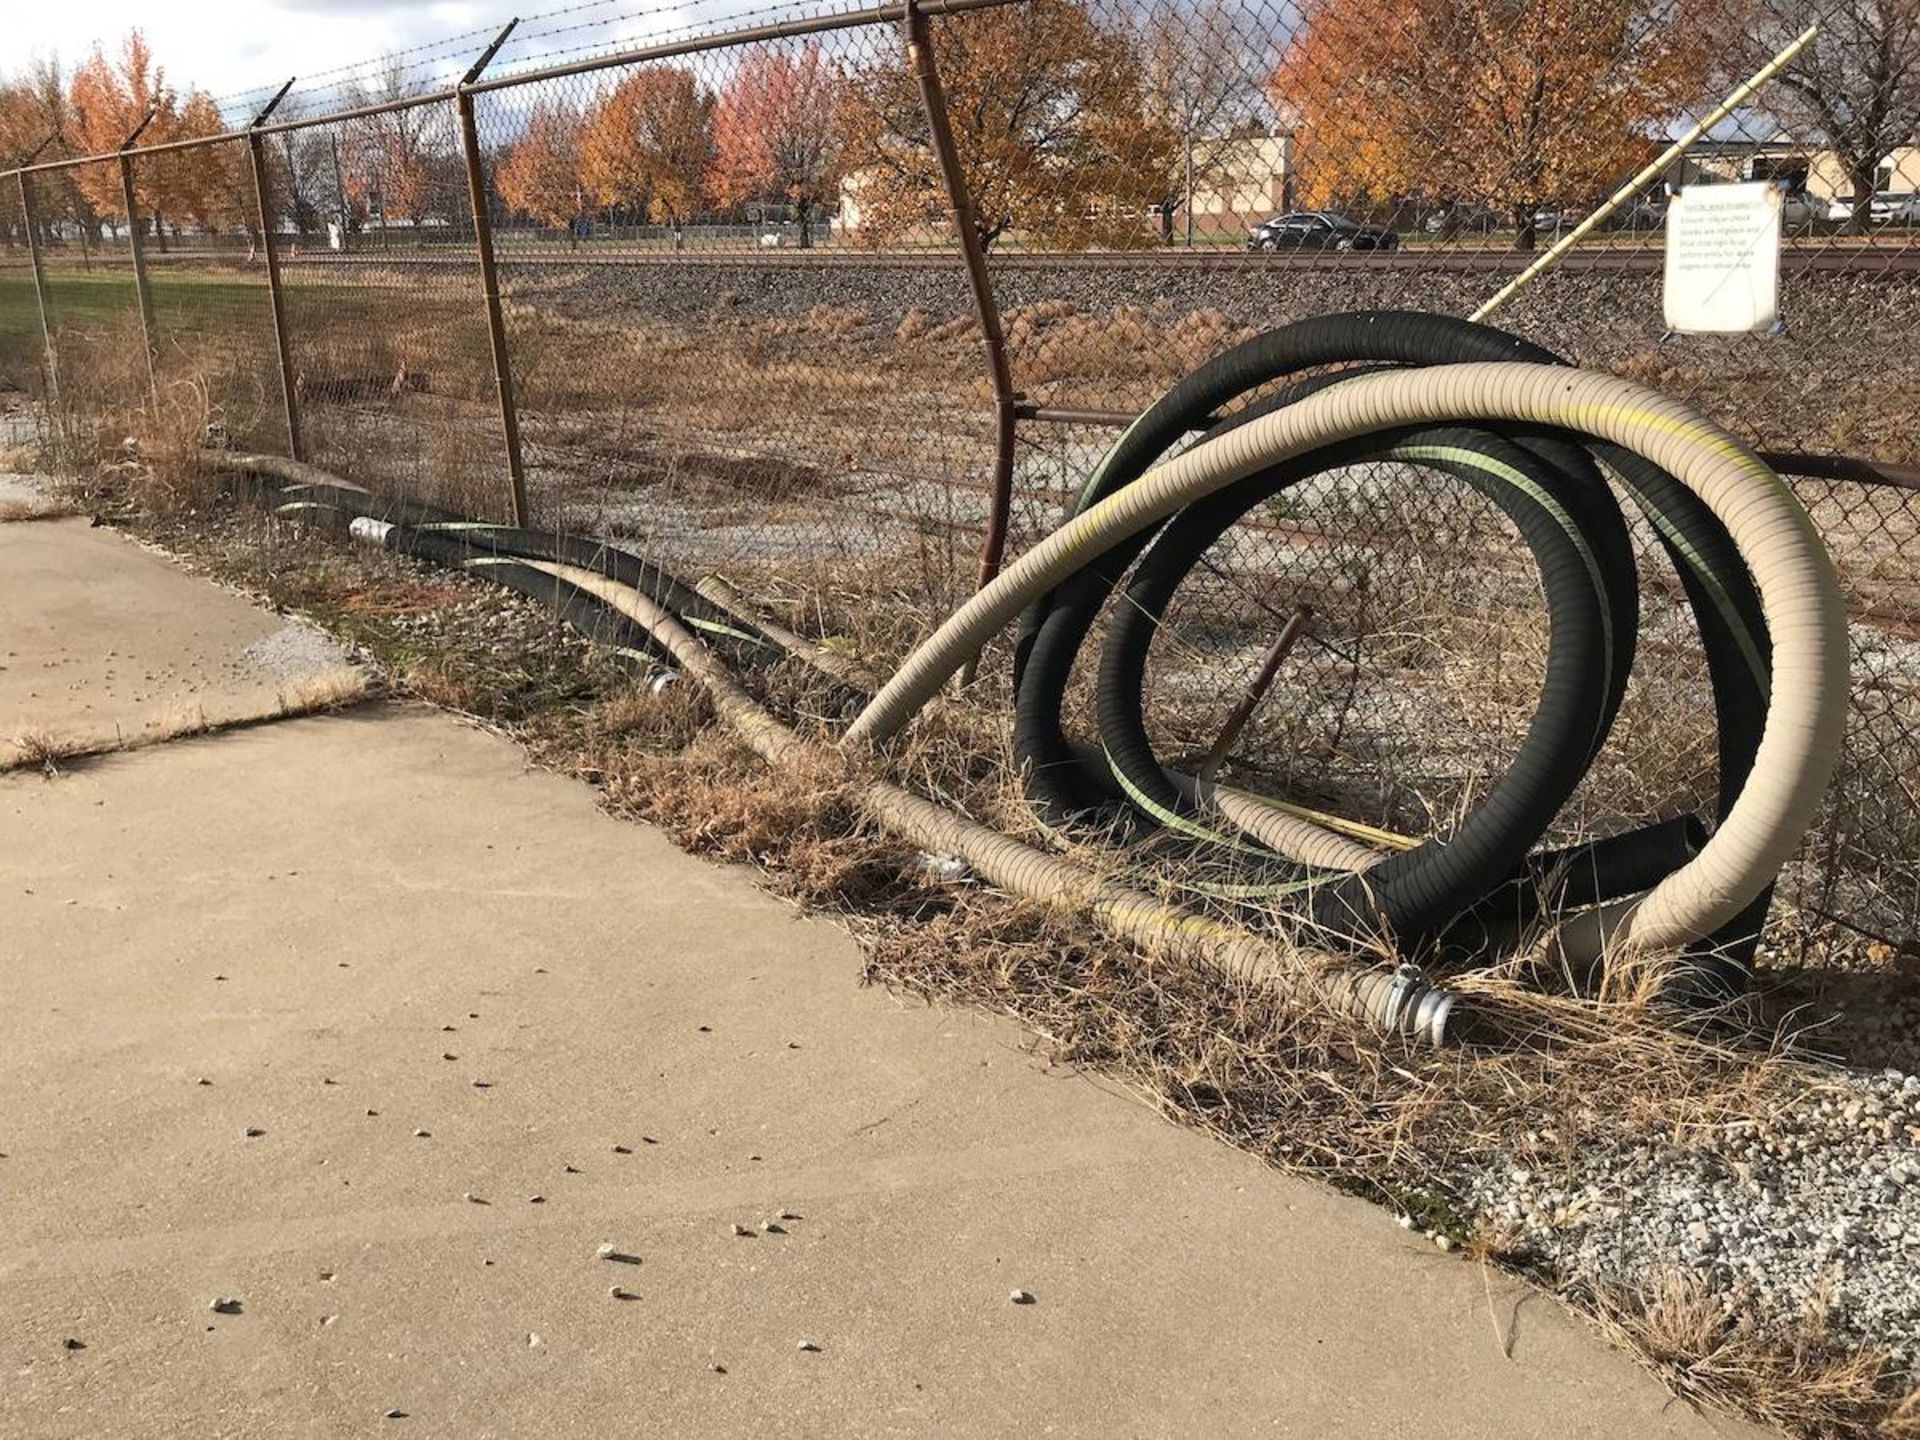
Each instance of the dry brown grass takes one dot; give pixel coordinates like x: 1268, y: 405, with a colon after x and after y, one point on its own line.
x: 38, y: 749
x: 36, y: 508
x: 1302, y: 1088
x: 1806, y: 1382
x: 51, y: 752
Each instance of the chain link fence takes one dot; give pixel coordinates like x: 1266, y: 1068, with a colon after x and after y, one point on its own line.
x: 782, y: 295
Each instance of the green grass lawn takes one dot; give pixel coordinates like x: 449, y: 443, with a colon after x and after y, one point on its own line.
x: 184, y: 302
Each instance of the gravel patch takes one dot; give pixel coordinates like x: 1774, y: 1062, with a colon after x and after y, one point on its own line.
x: 295, y: 652
x: 1808, y: 1216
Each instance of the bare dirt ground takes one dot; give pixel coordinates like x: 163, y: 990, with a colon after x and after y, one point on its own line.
x: 359, y: 1024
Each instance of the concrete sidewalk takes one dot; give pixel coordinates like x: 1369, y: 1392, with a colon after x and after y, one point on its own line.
x: 104, y: 642
x: 358, y: 1021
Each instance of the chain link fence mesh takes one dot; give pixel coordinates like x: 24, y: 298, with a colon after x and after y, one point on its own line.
x: 740, y: 333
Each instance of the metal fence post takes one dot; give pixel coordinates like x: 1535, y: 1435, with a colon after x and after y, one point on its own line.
x: 262, y: 193
x: 32, y: 221
x: 490, y: 276
x: 138, y: 250
x: 933, y: 99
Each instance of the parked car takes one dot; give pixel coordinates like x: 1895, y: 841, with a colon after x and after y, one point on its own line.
x: 1798, y: 209
x: 1897, y: 207
x: 1641, y: 215
x: 1318, y: 230
x: 1463, y: 220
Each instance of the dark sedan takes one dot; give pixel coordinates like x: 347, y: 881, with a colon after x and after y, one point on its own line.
x: 1318, y: 230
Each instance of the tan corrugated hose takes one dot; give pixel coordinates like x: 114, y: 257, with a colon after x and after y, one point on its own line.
x: 1799, y: 595
x: 1805, y: 613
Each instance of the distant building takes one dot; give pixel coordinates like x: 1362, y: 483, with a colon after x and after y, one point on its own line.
x: 1802, y: 169
x: 1239, y: 182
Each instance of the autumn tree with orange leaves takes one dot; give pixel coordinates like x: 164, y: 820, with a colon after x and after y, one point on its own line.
x: 109, y: 100
x: 649, y: 144
x: 780, y: 132
x: 34, y: 122
x: 1053, y: 123
x: 401, y: 163
x: 1511, y: 103
x: 541, y: 174
x: 33, y: 112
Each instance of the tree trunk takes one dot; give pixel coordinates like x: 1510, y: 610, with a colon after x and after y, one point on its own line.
x: 804, y: 212
x: 1525, y: 231
x: 1865, y: 176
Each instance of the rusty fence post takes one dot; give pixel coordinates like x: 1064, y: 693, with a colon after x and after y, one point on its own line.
x: 263, y: 208
x: 136, y: 246
x: 490, y: 275
x: 933, y: 99
x: 31, y: 219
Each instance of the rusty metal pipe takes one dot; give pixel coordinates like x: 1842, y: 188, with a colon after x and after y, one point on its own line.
x: 263, y: 207
x: 142, y: 294
x: 924, y: 63
x: 1277, y: 653
x: 32, y: 221
x: 490, y: 278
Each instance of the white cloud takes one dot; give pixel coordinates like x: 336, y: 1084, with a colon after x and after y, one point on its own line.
x: 232, y: 46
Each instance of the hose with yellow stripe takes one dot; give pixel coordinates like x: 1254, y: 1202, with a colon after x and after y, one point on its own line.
x: 1550, y: 486
x: 1778, y: 663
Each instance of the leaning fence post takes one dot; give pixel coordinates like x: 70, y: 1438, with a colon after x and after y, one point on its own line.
x: 490, y: 276
x: 933, y: 99
x: 138, y: 250
x: 31, y: 220
x: 257, y: 159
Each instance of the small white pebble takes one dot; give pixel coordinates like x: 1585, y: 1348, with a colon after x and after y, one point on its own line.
x: 810, y: 1346
x: 1443, y: 1243
x: 1020, y: 1297
x: 740, y: 1229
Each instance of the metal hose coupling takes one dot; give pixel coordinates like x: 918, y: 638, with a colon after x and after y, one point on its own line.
x: 1417, y: 1009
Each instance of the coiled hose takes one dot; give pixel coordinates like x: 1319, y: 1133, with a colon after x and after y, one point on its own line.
x: 1549, y: 484
x: 1529, y: 433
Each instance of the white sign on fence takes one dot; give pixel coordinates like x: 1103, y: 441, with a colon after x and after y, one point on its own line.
x: 1723, y: 259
